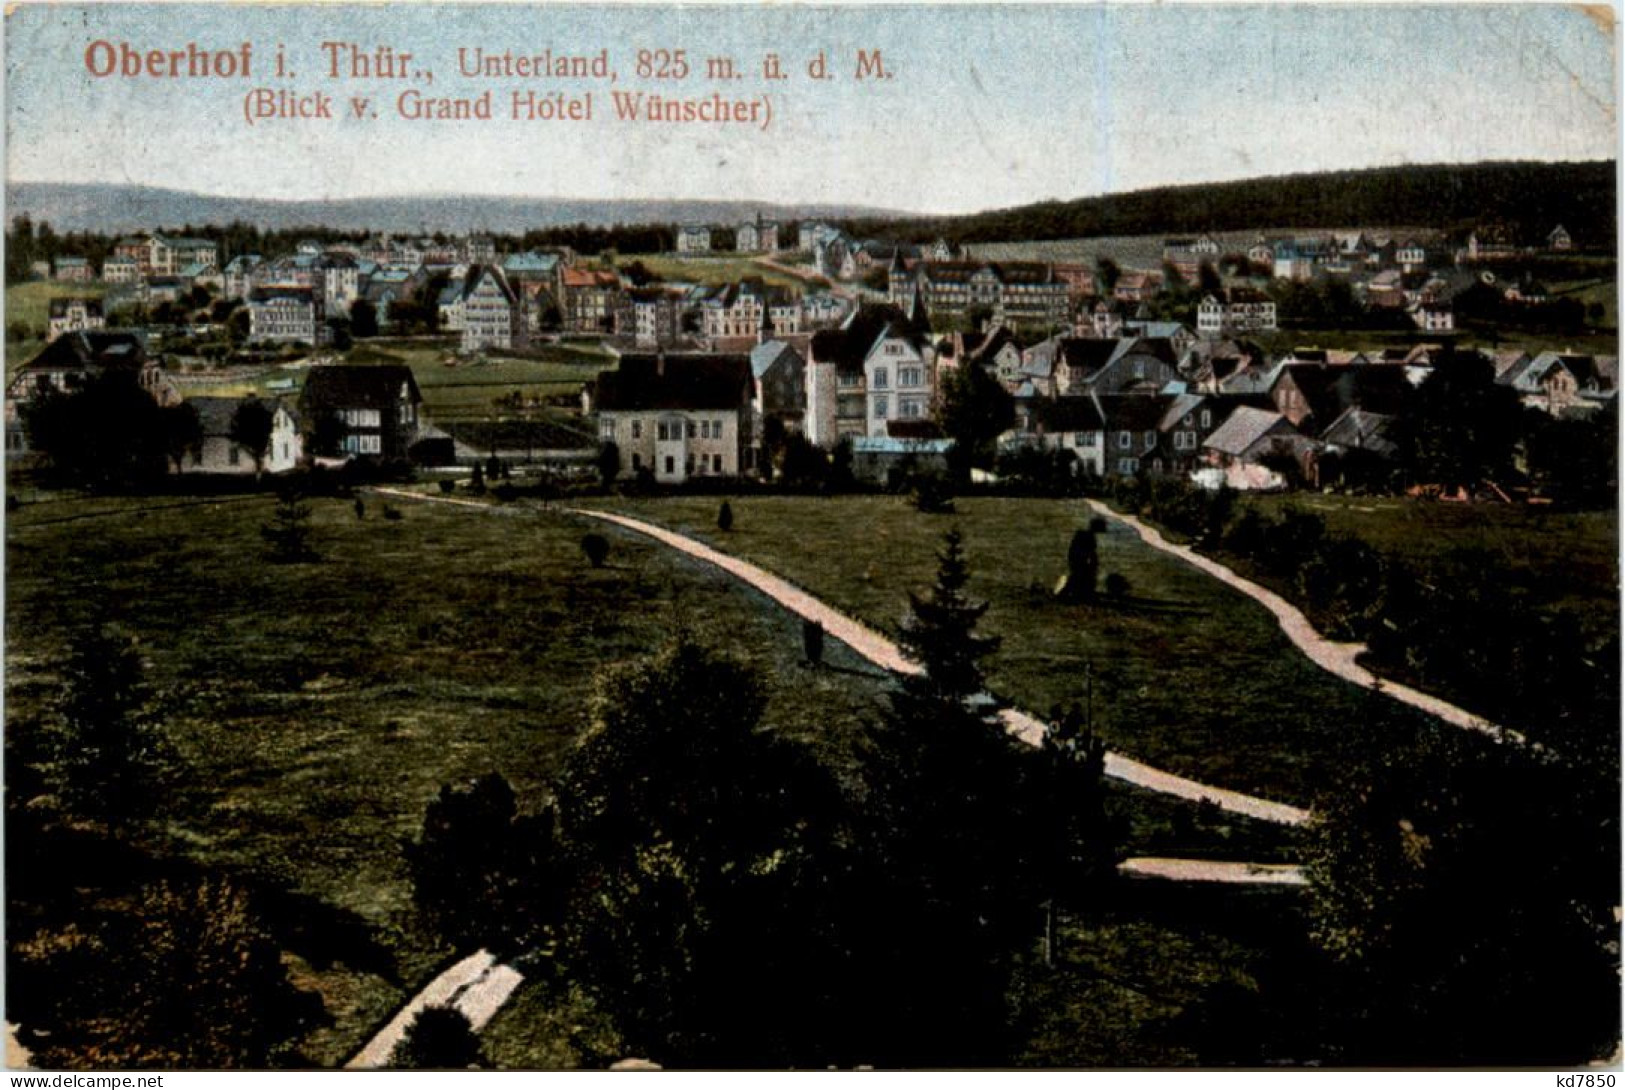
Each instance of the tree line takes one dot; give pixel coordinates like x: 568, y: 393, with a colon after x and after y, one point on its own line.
x: 1528, y: 198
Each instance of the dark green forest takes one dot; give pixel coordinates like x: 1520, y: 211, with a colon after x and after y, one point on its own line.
x: 1529, y: 199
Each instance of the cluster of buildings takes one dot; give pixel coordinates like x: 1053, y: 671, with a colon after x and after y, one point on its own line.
x: 710, y: 375
x: 1146, y: 398
x: 340, y: 412
x: 753, y: 236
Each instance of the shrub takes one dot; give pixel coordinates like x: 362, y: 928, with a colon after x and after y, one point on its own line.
x: 596, y: 549
x: 1117, y: 586
x: 725, y: 517
x: 812, y: 642
x: 448, y: 487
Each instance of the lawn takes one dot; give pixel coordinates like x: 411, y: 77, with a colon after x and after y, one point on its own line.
x: 1564, y: 560
x: 712, y: 270
x: 1188, y: 675
x: 316, y: 709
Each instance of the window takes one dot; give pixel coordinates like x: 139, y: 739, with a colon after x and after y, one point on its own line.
x: 909, y: 376
x: 637, y: 429
x: 606, y: 429
x: 235, y: 456
x: 1127, y: 465
x: 688, y: 464
x: 1207, y: 419
x: 1124, y: 440
x: 691, y: 429
x: 716, y: 463
x: 1150, y: 439
x: 880, y: 378
x: 671, y: 464
x: 716, y: 429
x: 637, y: 462
x: 880, y: 407
x: 361, y: 418
x: 661, y: 431
x: 705, y: 429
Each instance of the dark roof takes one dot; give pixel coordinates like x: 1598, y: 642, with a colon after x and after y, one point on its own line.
x: 848, y: 344
x: 91, y: 350
x: 1130, y: 412
x: 1089, y: 354
x: 342, y: 386
x: 655, y: 382
x: 1331, y: 389
x: 1070, y: 414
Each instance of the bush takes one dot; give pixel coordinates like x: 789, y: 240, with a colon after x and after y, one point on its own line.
x: 596, y: 549
x: 725, y: 517
x: 1117, y: 586
x: 812, y: 642
x: 447, y: 487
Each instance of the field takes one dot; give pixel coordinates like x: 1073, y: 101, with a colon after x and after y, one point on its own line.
x: 711, y: 270
x: 1565, y: 560
x: 316, y: 709
x: 1188, y: 675
x: 459, y: 392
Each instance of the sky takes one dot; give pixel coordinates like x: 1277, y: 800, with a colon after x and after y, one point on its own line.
x: 985, y: 107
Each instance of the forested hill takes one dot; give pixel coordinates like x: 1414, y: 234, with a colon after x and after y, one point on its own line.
x: 1528, y: 198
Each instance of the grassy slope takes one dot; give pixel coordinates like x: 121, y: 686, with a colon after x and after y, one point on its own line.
x: 317, y: 709
x: 1190, y: 675
x: 723, y: 269
x: 1565, y: 560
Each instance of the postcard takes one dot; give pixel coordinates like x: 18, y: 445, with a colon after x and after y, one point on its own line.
x: 798, y: 537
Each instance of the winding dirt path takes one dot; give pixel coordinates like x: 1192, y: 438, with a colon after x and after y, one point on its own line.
x: 885, y: 654
x: 1335, y: 658
x: 477, y: 986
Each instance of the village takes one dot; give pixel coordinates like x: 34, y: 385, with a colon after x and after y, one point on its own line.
x: 538, y: 650
x: 1182, y: 370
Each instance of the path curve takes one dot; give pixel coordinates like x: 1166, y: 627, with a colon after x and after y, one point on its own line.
x: 477, y: 986
x: 1335, y: 658
x: 885, y: 654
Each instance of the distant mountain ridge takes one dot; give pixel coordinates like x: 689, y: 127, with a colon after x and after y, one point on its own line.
x: 112, y: 208
x: 1531, y: 197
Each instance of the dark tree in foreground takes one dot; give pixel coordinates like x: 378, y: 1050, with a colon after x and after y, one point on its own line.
x: 958, y: 824
x: 288, y: 533
x: 812, y: 642
x: 107, y: 434
x: 186, y: 977
x: 1082, y: 566
x: 609, y: 463
x: 976, y: 409
x: 480, y: 870
x: 1464, y: 892
x: 438, y: 1039
x: 108, y: 753
x: 596, y: 549
x: 251, y: 430
x: 698, y: 904
x: 183, y: 432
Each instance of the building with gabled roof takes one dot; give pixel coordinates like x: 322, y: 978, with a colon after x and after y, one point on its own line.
x: 492, y: 313
x: 677, y: 417
x: 360, y: 411
x: 68, y: 314
x: 878, y: 365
